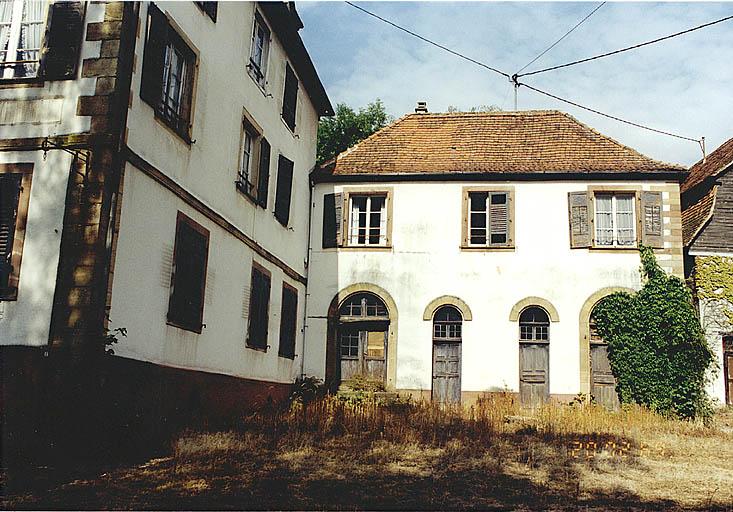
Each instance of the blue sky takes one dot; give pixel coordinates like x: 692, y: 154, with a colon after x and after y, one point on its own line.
x: 683, y: 85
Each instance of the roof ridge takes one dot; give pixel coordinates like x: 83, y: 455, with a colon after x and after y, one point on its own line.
x: 373, y: 135
x: 619, y: 144
x: 476, y: 114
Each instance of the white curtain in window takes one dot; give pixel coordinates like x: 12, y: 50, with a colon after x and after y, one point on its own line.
x: 604, y: 220
x: 625, y: 219
x: 31, y: 33
x: 6, y: 13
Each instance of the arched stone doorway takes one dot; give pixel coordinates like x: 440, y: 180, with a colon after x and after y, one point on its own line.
x: 534, y: 356
x: 362, y: 326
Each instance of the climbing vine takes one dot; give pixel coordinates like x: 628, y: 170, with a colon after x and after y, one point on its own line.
x: 656, y: 345
x: 714, y: 282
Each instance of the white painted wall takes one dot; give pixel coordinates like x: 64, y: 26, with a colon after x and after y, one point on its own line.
x: 42, y: 110
x: 426, y: 262
x: 208, y: 170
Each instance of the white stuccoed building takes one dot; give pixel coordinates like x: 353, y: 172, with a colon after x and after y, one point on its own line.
x: 458, y: 254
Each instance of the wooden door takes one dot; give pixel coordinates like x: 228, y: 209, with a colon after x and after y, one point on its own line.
x: 363, y: 353
x: 534, y: 374
x: 728, y: 368
x: 603, y: 383
x: 447, y: 372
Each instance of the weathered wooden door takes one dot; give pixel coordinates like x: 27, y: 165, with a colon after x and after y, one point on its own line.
x: 362, y: 353
x: 603, y: 383
x: 534, y: 374
x: 447, y: 372
x: 728, y: 368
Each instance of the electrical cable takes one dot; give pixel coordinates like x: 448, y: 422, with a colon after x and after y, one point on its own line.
x: 563, y: 37
x: 627, y: 48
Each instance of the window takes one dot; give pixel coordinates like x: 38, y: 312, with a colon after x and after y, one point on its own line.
x: 210, y: 8
x: 362, y: 305
x: 259, y: 307
x: 188, y: 283
x: 447, y: 324
x: 534, y: 325
x: 290, y: 97
x: 260, y: 48
x: 168, y: 73
x: 288, y: 321
x: 368, y: 219
x: 15, y: 186
x: 488, y: 219
x: 253, y: 174
x: 284, y: 190
x: 22, y: 24
x: 349, y: 344
x: 615, y: 220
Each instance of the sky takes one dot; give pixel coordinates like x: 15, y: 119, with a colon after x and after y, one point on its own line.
x: 683, y: 85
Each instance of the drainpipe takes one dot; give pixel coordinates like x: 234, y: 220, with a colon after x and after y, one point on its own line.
x: 311, y: 185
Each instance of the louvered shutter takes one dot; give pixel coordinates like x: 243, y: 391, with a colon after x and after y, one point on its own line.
x: 153, y: 59
x: 284, y: 190
x: 189, y: 278
x: 332, y: 220
x: 62, y: 41
x: 9, y: 194
x: 288, y: 322
x: 498, y: 218
x: 651, y: 212
x: 579, y: 214
x: 259, y: 309
x: 263, y: 180
x: 290, y: 97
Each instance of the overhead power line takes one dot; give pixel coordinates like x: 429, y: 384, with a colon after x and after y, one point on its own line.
x: 615, y: 118
x: 627, y: 48
x: 563, y: 37
x: 425, y: 39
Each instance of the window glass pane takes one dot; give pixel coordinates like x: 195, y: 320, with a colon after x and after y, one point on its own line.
x: 478, y: 201
x: 625, y: 219
x: 498, y: 239
x: 604, y: 219
x: 498, y: 198
x: 349, y: 344
x: 375, y: 344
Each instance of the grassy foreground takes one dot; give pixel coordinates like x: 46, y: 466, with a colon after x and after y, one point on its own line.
x: 332, y: 454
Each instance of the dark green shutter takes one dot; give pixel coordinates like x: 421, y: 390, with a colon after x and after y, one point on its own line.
x: 288, y: 322
x: 189, y: 278
x: 210, y: 8
x: 290, y: 97
x: 263, y: 180
x: 332, y: 219
x: 9, y: 195
x: 153, y: 59
x: 259, y: 304
x: 284, y: 190
x: 62, y: 42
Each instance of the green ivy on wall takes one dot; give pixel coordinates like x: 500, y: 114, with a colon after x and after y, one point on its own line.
x: 714, y: 281
x: 656, y: 345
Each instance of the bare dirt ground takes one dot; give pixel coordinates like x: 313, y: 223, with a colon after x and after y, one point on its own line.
x: 331, y: 455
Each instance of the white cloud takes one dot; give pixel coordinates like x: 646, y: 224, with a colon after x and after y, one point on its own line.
x: 681, y: 85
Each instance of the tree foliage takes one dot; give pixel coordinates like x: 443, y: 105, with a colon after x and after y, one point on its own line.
x: 347, y: 127
x: 656, y: 346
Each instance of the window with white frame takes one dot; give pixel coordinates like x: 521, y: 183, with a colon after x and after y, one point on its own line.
x: 260, y: 49
x: 488, y: 218
x: 615, y: 220
x: 22, y: 25
x: 368, y: 219
x: 246, y: 175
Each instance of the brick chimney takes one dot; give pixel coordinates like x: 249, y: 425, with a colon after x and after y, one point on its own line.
x: 422, y: 107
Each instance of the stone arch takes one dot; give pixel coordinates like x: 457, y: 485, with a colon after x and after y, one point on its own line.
x: 446, y: 300
x: 584, y: 330
x: 533, y: 301
x: 333, y: 315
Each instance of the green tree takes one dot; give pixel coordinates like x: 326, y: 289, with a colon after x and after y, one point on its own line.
x: 657, y: 349
x: 347, y: 127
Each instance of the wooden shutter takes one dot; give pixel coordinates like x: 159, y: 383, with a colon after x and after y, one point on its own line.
x: 332, y: 220
x: 62, y: 41
x: 9, y: 195
x: 284, y: 189
x: 290, y: 97
x: 153, y: 59
x: 580, y: 223
x: 189, y: 277
x: 651, y: 225
x: 498, y: 218
x: 263, y: 180
x: 210, y: 8
x: 259, y: 304
x: 288, y: 322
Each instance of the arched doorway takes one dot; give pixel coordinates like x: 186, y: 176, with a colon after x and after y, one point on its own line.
x: 361, y: 338
x: 534, y: 357
x: 602, y: 381
x: 447, y: 337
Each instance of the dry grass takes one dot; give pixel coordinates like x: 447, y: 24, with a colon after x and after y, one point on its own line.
x: 332, y: 454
